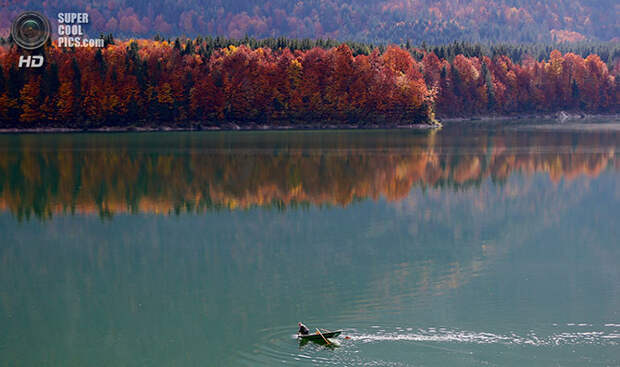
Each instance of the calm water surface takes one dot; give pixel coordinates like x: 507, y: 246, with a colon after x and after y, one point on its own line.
x: 480, y: 245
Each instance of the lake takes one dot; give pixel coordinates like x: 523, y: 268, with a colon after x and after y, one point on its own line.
x: 476, y: 244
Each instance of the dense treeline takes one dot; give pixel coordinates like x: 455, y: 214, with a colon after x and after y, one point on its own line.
x: 437, y: 21
x: 201, y: 81
x: 110, y: 174
x: 609, y: 52
x: 181, y: 83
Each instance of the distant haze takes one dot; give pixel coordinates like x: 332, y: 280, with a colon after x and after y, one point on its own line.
x: 434, y: 22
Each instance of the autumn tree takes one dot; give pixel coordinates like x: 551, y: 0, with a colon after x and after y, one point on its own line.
x: 213, y: 81
x: 30, y: 101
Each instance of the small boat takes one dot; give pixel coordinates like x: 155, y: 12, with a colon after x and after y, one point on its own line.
x: 317, y: 337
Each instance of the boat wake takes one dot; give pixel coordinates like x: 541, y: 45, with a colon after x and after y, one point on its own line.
x: 608, y: 334
x: 358, y: 347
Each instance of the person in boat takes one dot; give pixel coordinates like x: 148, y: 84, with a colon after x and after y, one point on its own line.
x: 303, y: 329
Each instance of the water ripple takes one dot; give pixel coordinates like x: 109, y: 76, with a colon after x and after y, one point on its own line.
x: 595, y: 337
x: 279, y: 346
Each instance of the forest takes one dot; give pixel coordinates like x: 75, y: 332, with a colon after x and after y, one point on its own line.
x: 436, y: 21
x: 209, y: 81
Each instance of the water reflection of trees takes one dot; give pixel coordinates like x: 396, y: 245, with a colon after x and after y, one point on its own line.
x: 215, y: 279
x: 162, y: 174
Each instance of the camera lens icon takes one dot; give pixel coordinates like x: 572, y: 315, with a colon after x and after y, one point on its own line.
x: 30, y: 30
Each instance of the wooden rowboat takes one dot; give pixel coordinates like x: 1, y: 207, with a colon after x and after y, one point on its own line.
x: 317, y: 337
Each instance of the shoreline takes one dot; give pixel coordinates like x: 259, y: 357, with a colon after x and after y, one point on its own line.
x: 223, y: 127
x: 559, y: 117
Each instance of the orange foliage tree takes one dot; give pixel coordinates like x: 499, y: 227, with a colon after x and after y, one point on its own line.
x: 157, y: 82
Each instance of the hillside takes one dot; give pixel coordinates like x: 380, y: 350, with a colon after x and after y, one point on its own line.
x: 433, y: 22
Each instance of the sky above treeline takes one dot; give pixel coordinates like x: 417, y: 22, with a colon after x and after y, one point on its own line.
x: 433, y: 22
